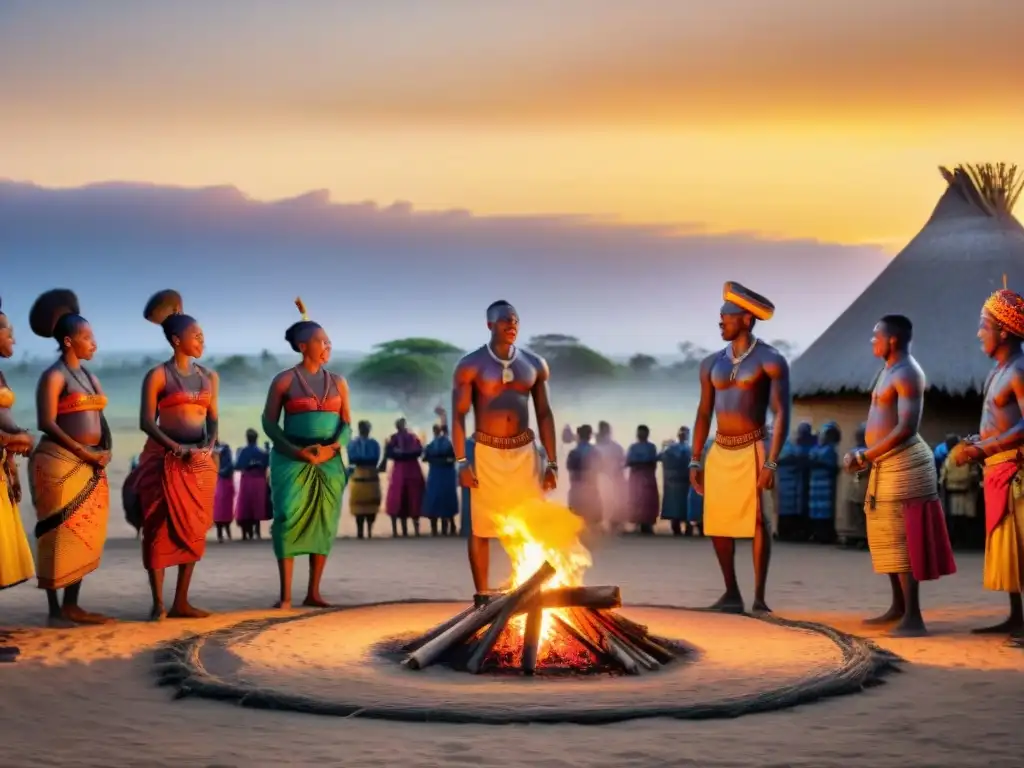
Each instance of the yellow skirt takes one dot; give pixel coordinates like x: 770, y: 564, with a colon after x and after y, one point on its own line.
x: 364, y: 491
x: 72, y: 501
x: 16, y: 563
x: 1004, y: 550
x: 733, y: 504
x: 507, y: 479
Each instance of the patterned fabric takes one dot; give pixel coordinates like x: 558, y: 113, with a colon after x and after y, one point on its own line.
x: 903, y: 484
x: 72, y: 501
x: 824, y: 469
x: 176, y: 497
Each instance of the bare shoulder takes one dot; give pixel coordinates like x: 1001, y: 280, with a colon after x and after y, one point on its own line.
x: 537, y: 362
x: 283, y: 380
x: 774, y: 362
x: 709, y: 362
x: 51, y: 376
x: 909, y: 377
x: 469, y: 363
x: 209, y: 373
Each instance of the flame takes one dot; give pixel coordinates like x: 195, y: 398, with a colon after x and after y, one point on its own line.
x: 539, y: 531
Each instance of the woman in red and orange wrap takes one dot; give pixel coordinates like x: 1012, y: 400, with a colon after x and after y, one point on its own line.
x: 177, y: 474
x: 69, y: 480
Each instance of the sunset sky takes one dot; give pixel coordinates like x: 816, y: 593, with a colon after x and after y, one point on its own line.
x: 792, y: 118
x: 785, y: 120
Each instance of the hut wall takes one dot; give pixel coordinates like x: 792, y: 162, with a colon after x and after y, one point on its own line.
x: 943, y: 415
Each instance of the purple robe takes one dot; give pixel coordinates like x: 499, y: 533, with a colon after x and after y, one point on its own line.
x: 405, y: 484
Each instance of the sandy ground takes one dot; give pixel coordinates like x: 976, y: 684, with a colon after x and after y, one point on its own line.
x: 85, y: 697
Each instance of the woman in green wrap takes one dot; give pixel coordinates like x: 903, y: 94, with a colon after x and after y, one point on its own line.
x: 307, y: 477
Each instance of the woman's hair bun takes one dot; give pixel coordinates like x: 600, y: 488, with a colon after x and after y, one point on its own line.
x: 49, y: 308
x: 162, y: 305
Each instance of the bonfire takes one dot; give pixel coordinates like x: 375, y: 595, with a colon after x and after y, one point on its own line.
x: 547, y: 620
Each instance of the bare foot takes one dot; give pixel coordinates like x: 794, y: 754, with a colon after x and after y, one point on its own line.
x: 1008, y: 627
x: 909, y: 628
x: 158, y: 613
x: 59, y: 622
x: 728, y: 604
x: 315, y: 601
x: 891, y: 616
x: 187, y: 611
x: 284, y: 605
x: 760, y: 606
x: 9, y: 653
x: 79, y: 616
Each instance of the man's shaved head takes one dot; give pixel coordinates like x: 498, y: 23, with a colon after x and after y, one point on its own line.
x: 498, y: 310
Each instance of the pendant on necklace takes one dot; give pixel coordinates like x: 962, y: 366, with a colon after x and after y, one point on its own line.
x: 735, y: 370
x: 506, y: 375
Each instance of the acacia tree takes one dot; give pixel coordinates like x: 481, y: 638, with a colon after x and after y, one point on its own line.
x: 642, y: 364
x: 410, y: 370
x: 570, y: 360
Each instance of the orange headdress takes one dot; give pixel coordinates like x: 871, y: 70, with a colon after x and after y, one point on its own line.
x: 1007, y: 308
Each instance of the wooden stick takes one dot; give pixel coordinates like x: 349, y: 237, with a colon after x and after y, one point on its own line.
x: 581, y: 597
x: 425, y: 638
x: 644, y: 641
x: 463, y: 630
x: 614, y: 633
x: 616, y: 649
x: 592, y: 648
x: 486, y: 643
x: 531, y: 639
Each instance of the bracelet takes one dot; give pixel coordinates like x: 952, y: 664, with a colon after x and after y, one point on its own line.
x: 696, y: 464
x: 860, y: 457
x: 553, y: 465
x: 771, y: 466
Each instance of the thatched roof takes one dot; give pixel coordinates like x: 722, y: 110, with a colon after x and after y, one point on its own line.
x: 940, y: 281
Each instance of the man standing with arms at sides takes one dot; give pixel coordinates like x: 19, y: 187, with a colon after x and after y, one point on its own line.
x: 496, y: 382
x: 998, y: 446
x: 906, y: 525
x: 738, y: 385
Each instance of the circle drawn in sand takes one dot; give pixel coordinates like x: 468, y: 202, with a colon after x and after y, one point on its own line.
x: 329, y: 663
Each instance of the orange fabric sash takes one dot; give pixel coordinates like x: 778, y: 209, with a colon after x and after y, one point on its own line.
x: 204, y: 397
x: 78, y: 402
x: 310, y: 404
x: 177, y: 505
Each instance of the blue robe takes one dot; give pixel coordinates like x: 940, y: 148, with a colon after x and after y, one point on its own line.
x: 466, y: 524
x: 584, y: 496
x: 791, y: 478
x: 822, y: 487
x: 363, y: 452
x: 251, y: 457
x: 441, y: 499
x: 675, y: 465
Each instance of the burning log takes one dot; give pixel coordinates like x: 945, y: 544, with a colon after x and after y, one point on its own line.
x: 531, y: 638
x: 581, y: 597
x: 441, y: 628
x: 588, y: 635
x: 429, y: 652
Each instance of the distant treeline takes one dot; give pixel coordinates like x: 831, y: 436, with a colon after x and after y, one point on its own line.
x: 416, y: 371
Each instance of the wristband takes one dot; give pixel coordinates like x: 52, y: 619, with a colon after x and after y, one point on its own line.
x: 771, y: 466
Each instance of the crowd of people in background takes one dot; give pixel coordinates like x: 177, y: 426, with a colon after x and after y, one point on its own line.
x: 614, y: 489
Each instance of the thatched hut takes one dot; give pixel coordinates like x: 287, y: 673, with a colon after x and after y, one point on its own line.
x: 939, y: 280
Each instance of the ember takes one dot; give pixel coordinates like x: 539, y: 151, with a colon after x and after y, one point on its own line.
x: 532, y: 629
